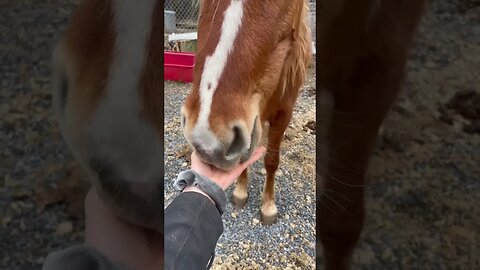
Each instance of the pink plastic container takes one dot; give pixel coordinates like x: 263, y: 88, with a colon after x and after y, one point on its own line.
x: 178, y: 66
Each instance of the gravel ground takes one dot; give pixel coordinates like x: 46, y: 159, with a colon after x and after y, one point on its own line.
x: 246, y: 244
x: 37, y: 180
x: 423, y: 182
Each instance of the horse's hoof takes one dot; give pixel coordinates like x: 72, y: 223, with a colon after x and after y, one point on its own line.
x: 268, y: 214
x: 238, y: 203
x: 268, y: 220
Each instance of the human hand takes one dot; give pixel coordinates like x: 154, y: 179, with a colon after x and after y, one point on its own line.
x: 120, y: 241
x: 222, y: 178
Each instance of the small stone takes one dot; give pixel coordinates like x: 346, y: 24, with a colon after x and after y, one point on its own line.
x: 234, y: 215
x: 438, y: 223
x: 21, y: 194
x: 14, y: 206
x: 310, y: 125
x: 184, y: 164
x: 298, y: 185
x: 263, y: 171
x: 472, y: 128
x: 255, y: 221
x: 387, y: 253
x: 8, y: 181
x: 430, y: 64
x: 64, y: 228
x: 22, y: 226
x: 6, y: 220
x: 6, y: 259
x: 309, y: 200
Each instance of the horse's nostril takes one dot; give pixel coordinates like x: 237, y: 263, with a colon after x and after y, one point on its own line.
x: 210, y: 148
x: 103, y: 169
x: 238, y: 143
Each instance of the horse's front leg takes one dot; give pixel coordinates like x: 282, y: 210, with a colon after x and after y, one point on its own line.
x: 278, y: 125
x: 240, y: 193
x: 351, y: 136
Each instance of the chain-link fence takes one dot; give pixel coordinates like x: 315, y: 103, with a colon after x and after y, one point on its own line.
x: 185, y: 14
x: 184, y: 18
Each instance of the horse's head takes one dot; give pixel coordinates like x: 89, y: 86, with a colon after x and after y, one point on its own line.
x: 109, y: 104
x: 242, y: 46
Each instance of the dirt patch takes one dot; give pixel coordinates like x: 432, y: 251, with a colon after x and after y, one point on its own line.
x: 466, y: 104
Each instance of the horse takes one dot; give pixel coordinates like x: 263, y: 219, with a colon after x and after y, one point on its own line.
x: 107, y: 93
x: 362, y: 48
x: 251, y: 62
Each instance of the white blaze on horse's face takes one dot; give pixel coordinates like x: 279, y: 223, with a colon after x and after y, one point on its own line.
x: 214, y: 66
x: 226, y: 145
x: 120, y: 135
x: 106, y: 100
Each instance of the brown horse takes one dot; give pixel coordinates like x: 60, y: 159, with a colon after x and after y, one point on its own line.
x: 362, y: 50
x: 251, y: 62
x: 107, y: 90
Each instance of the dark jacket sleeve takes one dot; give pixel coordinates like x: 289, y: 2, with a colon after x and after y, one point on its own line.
x: 192, y: 227
x: 80, y: 257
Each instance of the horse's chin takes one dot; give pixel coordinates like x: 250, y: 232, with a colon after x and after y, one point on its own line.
x: 137, y: 203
